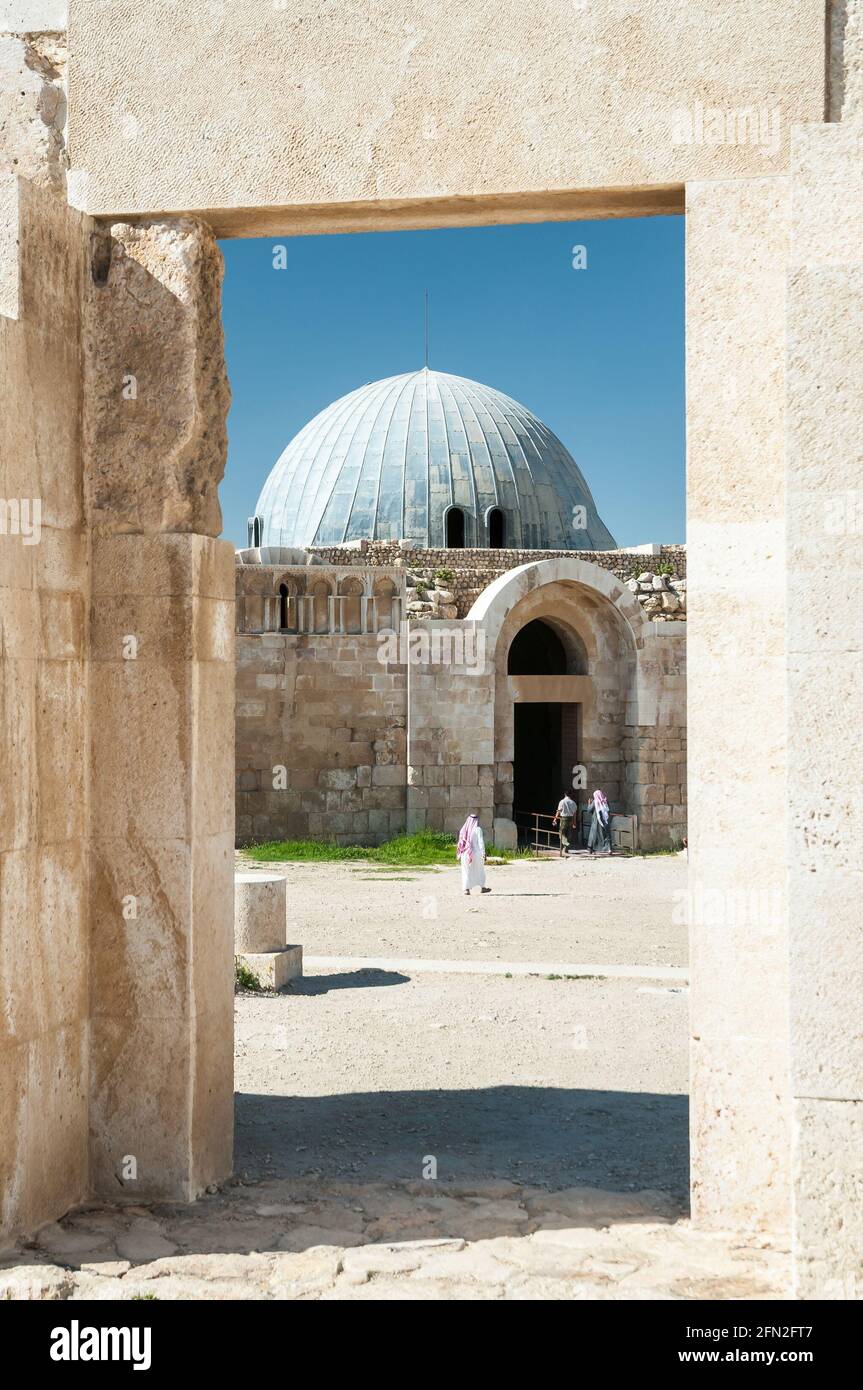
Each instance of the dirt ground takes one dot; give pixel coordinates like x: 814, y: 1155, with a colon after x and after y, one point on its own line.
x: 549, y: 1081
x: 604, y: 910
x: 406, y: 1129
x: 365, y: 1072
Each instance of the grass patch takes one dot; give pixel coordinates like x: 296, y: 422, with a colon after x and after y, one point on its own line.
x: 244, y: 978
x: 423, y: 849
x: 647, y: 853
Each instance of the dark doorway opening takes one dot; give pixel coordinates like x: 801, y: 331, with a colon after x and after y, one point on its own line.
x: 283, y: 606
x: 496, y: 529
x: 546, y: 741
x: 536, y: 651
x: 455, y: 529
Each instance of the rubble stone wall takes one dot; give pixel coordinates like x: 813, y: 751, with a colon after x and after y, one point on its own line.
x: 470, y: 571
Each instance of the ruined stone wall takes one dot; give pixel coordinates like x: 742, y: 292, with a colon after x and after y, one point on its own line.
x: 328, y: 711
x: 631, y: 690
x: 323, y: 706
x: 473, y: 570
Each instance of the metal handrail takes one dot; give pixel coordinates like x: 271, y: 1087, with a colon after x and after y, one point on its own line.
x: 529, y: 820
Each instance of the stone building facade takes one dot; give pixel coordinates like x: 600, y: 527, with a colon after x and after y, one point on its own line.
x: 363, y: 711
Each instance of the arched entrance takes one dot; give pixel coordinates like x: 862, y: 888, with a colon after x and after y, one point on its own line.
x: 583, y: 683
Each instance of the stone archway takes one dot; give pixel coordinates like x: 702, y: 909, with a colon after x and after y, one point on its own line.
x: 624, y: 689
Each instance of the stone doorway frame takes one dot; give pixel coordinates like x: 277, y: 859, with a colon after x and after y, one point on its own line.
x: 775, y: 1041
x: 756, y: 1199
x: 746, y: 1125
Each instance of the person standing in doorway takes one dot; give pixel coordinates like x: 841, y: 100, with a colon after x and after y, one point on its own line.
x: 566, y: 810
x: 600, y: 825
x: 471, y: 855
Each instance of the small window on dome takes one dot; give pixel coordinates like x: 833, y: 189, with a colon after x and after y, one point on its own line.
x: 496, y: 529
x: 255, y: 525
x: 455, y: 529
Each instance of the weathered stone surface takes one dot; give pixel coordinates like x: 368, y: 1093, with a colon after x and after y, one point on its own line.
x: 825, y: 823
x: 157, y: 392
x: 144, y: 1243
x: 737, y: 259
x: 32, y: 113
x: 260, y: 913
x: 505, y: 833
x: 274, y: 969
x: 426, y: 134
x: 632, y: 1252
x: 36, y: 1282
x: 43, y: 703
x: 828, y: 1178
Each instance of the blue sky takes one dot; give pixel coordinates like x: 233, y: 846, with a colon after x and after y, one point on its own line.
x: 596, y: 353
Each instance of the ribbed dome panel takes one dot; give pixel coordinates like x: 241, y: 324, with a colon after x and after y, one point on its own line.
x: 390, y: 459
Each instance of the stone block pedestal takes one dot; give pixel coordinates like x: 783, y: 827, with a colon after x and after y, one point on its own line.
x: 260, y: 925
x: 275, y: 969
x: 260, y: 913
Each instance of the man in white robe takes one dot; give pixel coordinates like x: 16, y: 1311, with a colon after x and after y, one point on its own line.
x: 471, y: 855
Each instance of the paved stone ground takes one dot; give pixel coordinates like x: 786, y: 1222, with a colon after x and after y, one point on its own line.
x: 321, y: 1239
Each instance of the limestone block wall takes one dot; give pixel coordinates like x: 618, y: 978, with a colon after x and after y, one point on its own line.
x: 631, y: 688
x: 316, y: 598
x: 44, y: 594
x: 825, y: 674
x: 161, y: 712
x: 736, y: 257
x: 329, y: 712
x: 451, y: 749
x: 577, y: 100
x: 339, y: 737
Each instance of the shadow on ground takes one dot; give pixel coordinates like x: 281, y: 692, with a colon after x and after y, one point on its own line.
x: 369, y: 978
x: 536, y: 1136
x: 317, y: 1177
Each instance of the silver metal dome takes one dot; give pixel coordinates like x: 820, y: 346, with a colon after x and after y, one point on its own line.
x: 433, y: 458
